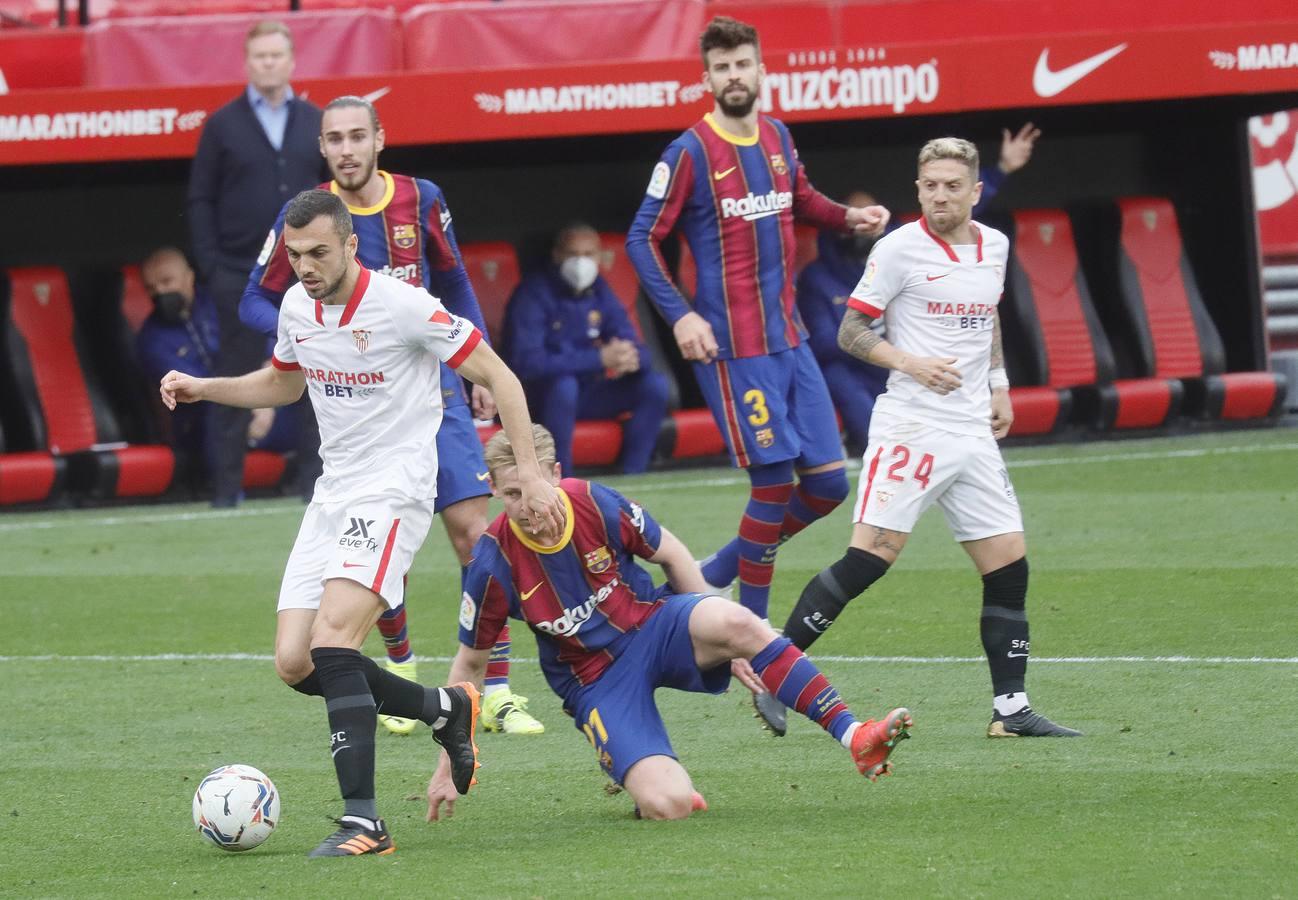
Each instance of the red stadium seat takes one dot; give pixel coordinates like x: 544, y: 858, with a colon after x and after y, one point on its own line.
x: 1057, y: 341
x: 136, y: 303
x: 493, y: 272
x: 65, y: 413
x: 1175, y: 335
x: 617, y: 270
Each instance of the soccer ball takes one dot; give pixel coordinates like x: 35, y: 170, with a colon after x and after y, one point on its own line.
x: 236, y: 807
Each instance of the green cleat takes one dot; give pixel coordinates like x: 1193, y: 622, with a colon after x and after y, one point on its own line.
x: 506, y: 712
x: 395, y: 724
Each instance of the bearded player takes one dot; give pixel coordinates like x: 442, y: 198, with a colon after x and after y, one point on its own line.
x: 734, y: 186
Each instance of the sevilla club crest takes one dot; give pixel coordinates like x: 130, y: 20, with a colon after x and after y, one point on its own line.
x: 362, y: 338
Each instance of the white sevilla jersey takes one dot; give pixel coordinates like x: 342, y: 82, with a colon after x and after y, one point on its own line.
x: 371, y: 370
x: 937, y: 300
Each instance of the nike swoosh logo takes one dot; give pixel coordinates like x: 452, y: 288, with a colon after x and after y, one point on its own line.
x: 806, y: 620
x: 482, y: 476
x: 351, y: 565
x: 338, y: 750
x: 1015, y: 655
x: 935, y: 277
x: 307, y: 338
x: 1047, y: 83
x: 527, y: 594
x: 717, y: 176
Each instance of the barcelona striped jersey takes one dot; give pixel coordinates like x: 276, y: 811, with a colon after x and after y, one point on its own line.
x: 407, y: 235
x: 734, y: 201
x: 584, y: 597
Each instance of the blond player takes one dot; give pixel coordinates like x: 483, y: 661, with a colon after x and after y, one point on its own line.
x: 936, y: 283
x: 367, y: 347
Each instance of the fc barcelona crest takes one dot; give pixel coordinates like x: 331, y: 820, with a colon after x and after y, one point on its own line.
x: 778, y: 164
x: 362, y: 338
x: 765, y: 437
x: 403, y: 236
x: 598, y: 560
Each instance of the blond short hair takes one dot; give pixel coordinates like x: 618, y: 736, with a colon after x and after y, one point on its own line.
x: 266, y: 27
x: 950, y: 148
x: 499, y: 453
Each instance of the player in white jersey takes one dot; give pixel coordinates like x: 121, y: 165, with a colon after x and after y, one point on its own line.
x: 367, y: 347
x: 937, y: 283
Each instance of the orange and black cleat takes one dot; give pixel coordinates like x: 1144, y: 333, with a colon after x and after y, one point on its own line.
x: 873, y: 742
x: 355, y: 838
x: 457, y: 735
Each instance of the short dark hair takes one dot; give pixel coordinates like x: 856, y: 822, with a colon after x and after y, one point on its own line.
x: 354, y: 102
x: 725, y: 33
x: 310, y: 205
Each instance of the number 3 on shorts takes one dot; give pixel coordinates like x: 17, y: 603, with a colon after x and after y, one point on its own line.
x: 923, y: 471
x: 756, y: 401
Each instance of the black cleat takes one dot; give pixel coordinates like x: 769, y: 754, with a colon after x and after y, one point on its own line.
x: 1026, y: 723
x: 456, y: 736
x: 772, y: 713
x: 355, y: 839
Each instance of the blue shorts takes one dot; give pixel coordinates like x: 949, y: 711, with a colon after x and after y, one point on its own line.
x: 617, y: 713
x: 772, y: 408
x: 461, y: 469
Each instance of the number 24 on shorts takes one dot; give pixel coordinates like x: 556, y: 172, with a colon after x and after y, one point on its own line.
x: 923, y: 470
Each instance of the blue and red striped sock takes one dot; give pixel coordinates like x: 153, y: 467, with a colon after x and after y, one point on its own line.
x: 759, y: 533
x: 497, y: 677
x: 798, y: 684
x: 392, y: 625
x: 817, y: 495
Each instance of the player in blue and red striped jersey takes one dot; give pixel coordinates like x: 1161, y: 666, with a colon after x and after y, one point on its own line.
x: 404, y: 228
x: 733, y: 186
x: 608, y: 637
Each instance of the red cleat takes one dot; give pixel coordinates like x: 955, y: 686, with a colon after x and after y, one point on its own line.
x: 873, y: 742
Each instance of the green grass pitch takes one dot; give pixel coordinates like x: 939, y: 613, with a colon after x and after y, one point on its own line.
x: 1164, y: 618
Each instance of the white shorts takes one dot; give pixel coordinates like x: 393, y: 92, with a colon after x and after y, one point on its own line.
x: 370, y: 540
x: 908, y: 466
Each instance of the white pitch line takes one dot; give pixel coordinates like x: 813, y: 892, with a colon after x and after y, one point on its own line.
x: 631, y: 486
x: 920, y: 660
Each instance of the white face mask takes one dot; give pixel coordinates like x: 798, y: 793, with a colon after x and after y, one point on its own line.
x: 579, y: 271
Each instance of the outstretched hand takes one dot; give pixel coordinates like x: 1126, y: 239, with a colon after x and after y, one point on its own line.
x: 441, y: 790
x: 1016, y: 149
x: 546, y: 513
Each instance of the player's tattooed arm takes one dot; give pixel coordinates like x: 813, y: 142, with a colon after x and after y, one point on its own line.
x: 855, y: 336
x: 998, y: 349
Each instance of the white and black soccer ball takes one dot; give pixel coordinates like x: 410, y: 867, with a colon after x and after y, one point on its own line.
x: 236, y: 807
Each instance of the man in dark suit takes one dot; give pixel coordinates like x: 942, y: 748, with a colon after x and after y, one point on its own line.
x: 255, y: 154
